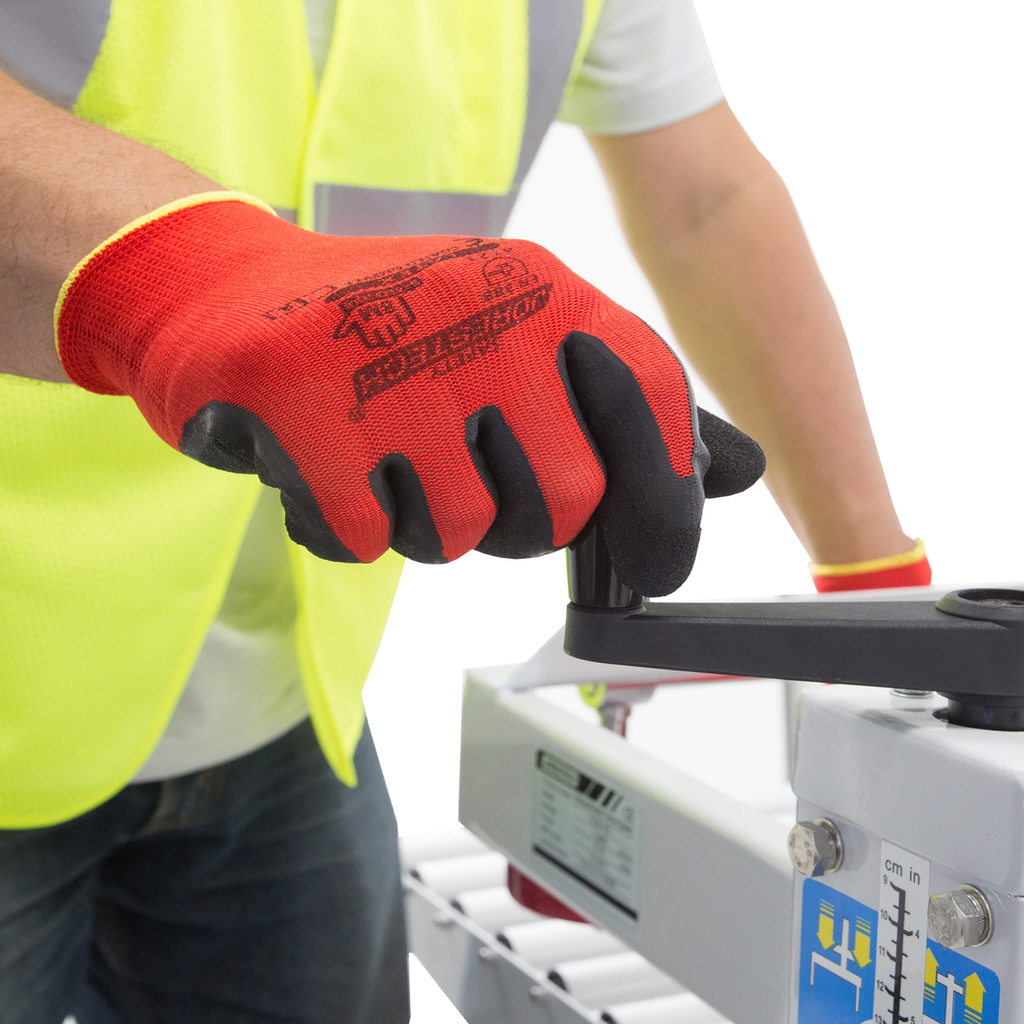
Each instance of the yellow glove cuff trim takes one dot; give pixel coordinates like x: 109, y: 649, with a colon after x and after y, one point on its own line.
x: 179, y: 204
x: 915, y: 554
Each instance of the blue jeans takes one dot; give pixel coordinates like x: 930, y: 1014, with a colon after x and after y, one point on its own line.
x: 261, y: 890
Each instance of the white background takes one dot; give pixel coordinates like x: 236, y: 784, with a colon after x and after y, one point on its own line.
x: 896, y: 127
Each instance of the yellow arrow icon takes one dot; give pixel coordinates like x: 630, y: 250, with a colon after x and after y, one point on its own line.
x: 826, y: 935
x: 974, y: 993
x: 931, y: 968
x: 862, y: 949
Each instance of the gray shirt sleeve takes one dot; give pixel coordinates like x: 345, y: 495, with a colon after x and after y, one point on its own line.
x: 647, y: 66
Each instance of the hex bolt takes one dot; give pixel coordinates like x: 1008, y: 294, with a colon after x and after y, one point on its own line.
x: 815, y: 847
x: 960, y: 918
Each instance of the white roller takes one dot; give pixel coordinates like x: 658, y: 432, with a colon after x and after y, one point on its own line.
x: 461, y: 874
x: 493, y: 909
x: 455, y: 842
x: 682, y: 1008
x: 609, y: 980
x: 548, y: 942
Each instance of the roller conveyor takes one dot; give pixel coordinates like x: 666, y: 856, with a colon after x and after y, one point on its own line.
x: 500, y: 963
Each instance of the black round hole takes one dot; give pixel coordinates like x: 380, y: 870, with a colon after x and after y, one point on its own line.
x: 1000, y: 597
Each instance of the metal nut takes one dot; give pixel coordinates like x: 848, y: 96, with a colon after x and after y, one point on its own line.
x: 815, y: 847
x: 960, y: 918
x: 912, y: 700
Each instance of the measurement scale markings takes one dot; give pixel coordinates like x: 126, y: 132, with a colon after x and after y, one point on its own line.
x: 902, y: 903
x: 898, y: 977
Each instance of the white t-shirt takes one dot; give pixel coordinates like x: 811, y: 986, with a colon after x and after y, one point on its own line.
x: 647, y: 66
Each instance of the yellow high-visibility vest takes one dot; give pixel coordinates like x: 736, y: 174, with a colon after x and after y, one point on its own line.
x: 115, y: 550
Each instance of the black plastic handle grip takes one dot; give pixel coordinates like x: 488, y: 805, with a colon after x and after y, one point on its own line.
x: 969, y: 646
x: 593, y: 582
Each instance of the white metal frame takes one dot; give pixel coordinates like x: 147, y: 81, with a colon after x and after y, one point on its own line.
x: 718, y: 920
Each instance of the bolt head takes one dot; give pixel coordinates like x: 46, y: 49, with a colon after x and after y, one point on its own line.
x: 815, y: 847
x: 960, y: 918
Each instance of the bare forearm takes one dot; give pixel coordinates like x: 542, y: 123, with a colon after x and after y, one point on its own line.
x: 65, y: 186
x: 736, y: 276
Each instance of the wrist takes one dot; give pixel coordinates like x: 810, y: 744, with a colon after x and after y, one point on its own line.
x: 65, y: 186
x: 905, y: 569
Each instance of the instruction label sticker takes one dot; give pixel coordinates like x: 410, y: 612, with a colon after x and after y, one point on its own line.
x: 902, y: 935
x: 588, y: 830
x: 838, y: 947
x: 957, y: 990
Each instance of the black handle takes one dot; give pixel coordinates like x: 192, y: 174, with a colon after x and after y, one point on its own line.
x: 593, y: 582
x: 969, y: 646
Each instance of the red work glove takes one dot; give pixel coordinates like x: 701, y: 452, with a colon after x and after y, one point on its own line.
x: 431, y: 394
x: 907, y: 569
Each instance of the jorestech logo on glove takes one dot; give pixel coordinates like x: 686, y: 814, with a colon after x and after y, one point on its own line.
x: 379, y: 311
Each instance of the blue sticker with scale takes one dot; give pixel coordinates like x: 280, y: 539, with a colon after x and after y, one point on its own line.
x: 957, y: 990
x: 837, y: 958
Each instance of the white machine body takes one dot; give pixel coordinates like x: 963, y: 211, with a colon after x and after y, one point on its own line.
x: 701, y: 885
x: 696, y: 882
x: 922, y: 807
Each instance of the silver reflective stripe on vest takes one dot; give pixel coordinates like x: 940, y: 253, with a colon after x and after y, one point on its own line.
x: 350, y: 210
x: 554, y: 34
x: 50, y: 46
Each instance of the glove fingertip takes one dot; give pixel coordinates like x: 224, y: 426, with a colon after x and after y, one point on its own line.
x: 399, y: 491
x: 234, y: 439
x: 312, y: 531
x: 656, y: 565
x: 737, y: 461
